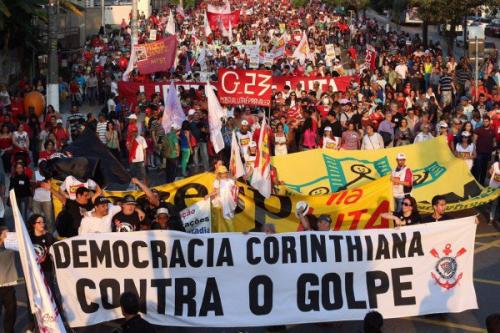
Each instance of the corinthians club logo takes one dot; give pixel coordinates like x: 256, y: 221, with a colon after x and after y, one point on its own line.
x: 446, y: 267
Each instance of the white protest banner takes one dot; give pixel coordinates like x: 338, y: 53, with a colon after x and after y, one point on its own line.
x: 41, y: 303
x: 235, y: 280
x: 152, y: 34
x: 197, y: 218
x: 330, y: 50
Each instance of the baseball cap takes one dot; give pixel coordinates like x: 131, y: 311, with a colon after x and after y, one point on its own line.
x: 326, y: 218
x: 401, y: 156
x: 101, y: 200
x: 132, y: 116
x: 128, y: 199
x: 443, y: 124
x: 162, y: 210
x: 464, y: 98
x: 328, y: 128
x: 244, y: 123
x: 176, y: 127
x: 59, y: 121
x: 465, y: 134
x: 191, y: 112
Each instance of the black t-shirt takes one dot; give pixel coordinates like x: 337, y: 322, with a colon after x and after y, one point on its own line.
x: 335, y: 126
x: 69, y: 219
x: 21, y: 185
x: 430, y: 218
x: 42, y: 245
x: 129, y: 222
x: 410, y: 220
x: 397, y: 118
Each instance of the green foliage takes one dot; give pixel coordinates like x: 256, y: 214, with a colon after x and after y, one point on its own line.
x: 299, y: 3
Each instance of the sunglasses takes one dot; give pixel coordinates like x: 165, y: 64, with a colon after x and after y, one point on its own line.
x: 407, y: 204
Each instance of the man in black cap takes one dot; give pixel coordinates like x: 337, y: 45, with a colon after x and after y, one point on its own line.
x: 99, y: 219
x: 129, y: 303
x: 129, y: 218
x: 69, y: 219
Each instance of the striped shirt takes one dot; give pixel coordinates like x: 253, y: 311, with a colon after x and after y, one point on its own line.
x: 446, y: 83
x: 101, y: 131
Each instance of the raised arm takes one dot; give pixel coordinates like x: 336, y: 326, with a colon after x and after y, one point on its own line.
x: 153, y: 200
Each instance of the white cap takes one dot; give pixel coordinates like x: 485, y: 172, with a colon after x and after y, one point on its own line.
x: 443, y: 124
x: 244, y: 123
x: 328, y: 128
x: 401, y: 156
x: 252, y: 144
x: 465, y: 134
x: 59, y: 121
x: 132, y: 116
x: 176, y: 127
x: 191, y: 112
x: 162, y: 210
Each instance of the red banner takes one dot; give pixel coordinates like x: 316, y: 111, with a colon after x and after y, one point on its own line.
x: 157, y: 56
x: 245, y: 87
x: 129, y: 90
x: 233, y: 17
x: 340, y: 83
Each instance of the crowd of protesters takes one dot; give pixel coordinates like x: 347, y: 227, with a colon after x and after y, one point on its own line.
x: 413, y: 94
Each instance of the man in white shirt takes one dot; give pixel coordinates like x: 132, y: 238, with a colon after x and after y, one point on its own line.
x: 424, y: 135
x: 244, y: 136
x: 99, y: 219
x: 111, y: 104
x: 101, y: 128
x: 137, y: 156
x: 71, y: 184
x: 402, y: 70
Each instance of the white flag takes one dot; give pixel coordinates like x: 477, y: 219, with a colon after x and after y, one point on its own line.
x: 131, y: 64
x: 230, y: 32
x: 235, y: 164
x: 302, y: 52
x: 261, y: 175
x: 173, y: 113
x: 171, y: 24
x: 206, y: 26
x: 42, y: 303
x: 202, y: 59
x: 215, y: 114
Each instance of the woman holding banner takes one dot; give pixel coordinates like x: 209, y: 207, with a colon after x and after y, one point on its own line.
x: 408, y: 215
x: 466, y: 149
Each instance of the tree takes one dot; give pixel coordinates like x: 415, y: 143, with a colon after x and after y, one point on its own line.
x: 445, y: 11
x: 18, y: 33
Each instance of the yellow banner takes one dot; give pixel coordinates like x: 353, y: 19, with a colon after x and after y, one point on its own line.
x: 435, y: 171
x: 357, y: 208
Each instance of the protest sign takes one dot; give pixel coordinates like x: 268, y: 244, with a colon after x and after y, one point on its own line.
x: 236, y: 280
x: 336, y: 83
x: 325, y: 171
x: 128, y: 90
x: 215, y: 18
x: 196, y: 218
x: 358, y: 208
x: 158, y: 56
x: 245, y: 87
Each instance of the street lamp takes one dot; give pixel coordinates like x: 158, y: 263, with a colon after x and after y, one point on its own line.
x: 53, y: 72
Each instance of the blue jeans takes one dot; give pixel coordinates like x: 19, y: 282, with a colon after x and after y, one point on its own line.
x: 398, y: 204
x: 22, y: 204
